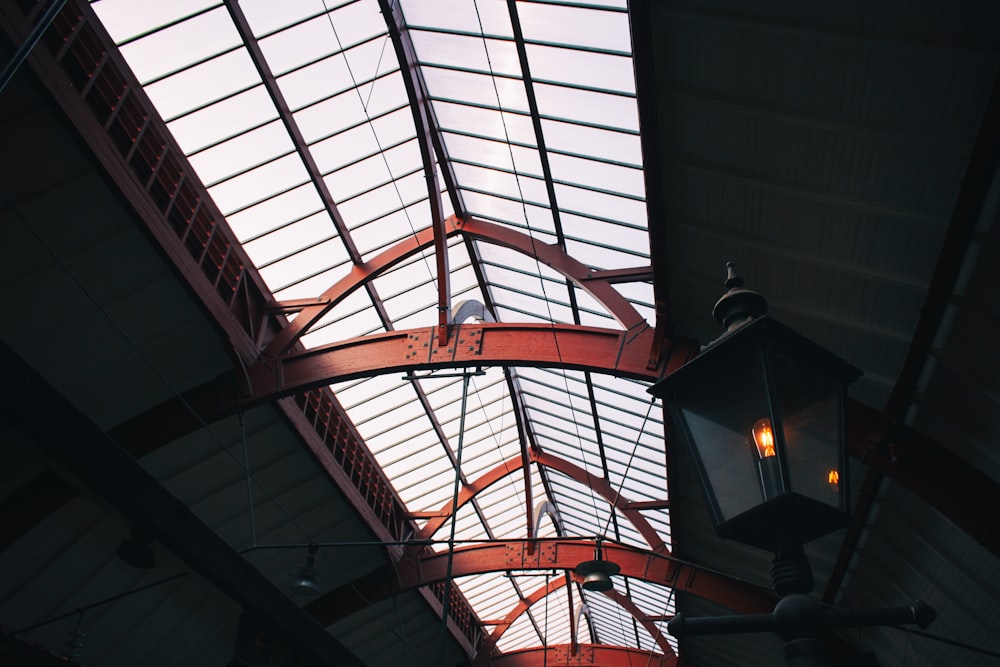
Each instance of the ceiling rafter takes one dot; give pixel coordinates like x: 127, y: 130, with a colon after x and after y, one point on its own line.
x: 559, y: 582
x: 979, y: 178
x: 471, y: 228
x: 420, y: 108
x: 77, y: 444
x: 546, y: 460
x: 590, y: 654
x: 539, y: 555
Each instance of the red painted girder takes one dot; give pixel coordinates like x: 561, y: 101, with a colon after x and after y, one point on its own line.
x: 420, y: 109
x: 523, y: 605
x: 355, y: 278
x: 556, y: 553
x: 413, y: 571
x: 563, y: 655
x: 619, y: 307
x: 623, y: 601
x: 953, y: 486
x: 621, y: 353
x: 556, y: 258
x: 573, y: 346
x: 569, y: 469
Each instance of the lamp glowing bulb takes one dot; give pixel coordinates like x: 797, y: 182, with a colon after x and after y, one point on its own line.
x: 833, y: 477
x: 763, y: 438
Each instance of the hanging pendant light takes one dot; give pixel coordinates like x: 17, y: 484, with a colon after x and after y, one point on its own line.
x: 305, y: 579
x: 597, y: 573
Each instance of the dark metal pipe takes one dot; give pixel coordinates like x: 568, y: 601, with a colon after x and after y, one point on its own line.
x: 798, y: 616
x: 919, y: 613
x: 680, y: 626
x: 22, y: 52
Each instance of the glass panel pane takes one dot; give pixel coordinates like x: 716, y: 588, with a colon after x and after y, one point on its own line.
x: 572, y: 25
x: 478, y: 89
x: 810, y: 407
x: 208, y: 82
x: 180, y: 45
x: 719, y: 410
x: 460, y: 15
x: 581, y: 67
x: 489, y: 55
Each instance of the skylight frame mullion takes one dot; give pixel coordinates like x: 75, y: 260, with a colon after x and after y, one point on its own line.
x: 555, y: 429
x: 532, y: 42
x: 615, y: 448
x: 323, y: 174
x: 326, y: 12
x: 580, y: 214
x: 578, y: 5
x: 558, y: 374
x: 555, y: 151
x: 513, y: 269
x: 342, y: 51
x: 367, y: 121
x: 211, y: 103
x: 283, y: 225
x: 543, y: 298
x: 513, y: 77
x: 247, y: 170
x: 344, y: 91
x: 189, y: 66
x: 392, y: 178
x: 549, y: 413
x: 290, y: 254
x: 168, y: 25
x: 561, y: 304
x: 517, y: 112
x: 581, y: 186
x: 236, y: 135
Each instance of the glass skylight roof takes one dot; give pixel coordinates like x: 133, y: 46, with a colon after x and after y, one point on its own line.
x: 303, y: 133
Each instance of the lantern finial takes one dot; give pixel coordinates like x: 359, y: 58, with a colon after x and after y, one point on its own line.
x: 738, y: 305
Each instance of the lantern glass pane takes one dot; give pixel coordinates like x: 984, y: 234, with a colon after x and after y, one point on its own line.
x: 810, y: 405
x: 719, y: 411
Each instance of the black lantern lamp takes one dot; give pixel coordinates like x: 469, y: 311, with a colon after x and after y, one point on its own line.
x: 763, y: 408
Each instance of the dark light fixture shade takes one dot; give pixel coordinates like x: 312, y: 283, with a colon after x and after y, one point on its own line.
x: 305, y: 579
x: 137, y: 552
x: 762, y: 409
x: 597, y: 574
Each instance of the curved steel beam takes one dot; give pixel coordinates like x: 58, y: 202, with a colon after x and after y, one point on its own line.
x: 523, y: 605
x: 576, y: 347
x: 623, y: 601
x: 414, y: 571
x: 552, y: 256
x: 563, y: 655
x: 611, y: 351
x: 420, y: 108
x: 569, y: 469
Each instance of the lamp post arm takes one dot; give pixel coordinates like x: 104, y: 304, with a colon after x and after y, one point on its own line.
x: 919, y: 613
x: 798, y: 617
x: 681, y: 626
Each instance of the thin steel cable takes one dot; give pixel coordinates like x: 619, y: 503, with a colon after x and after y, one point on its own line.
x: 94, y: 605
x: 364, y: 107
x: 246, y: 467
x: 635, y: 447
x: 666, y: 608
x: 531, y: 231
x: 532, y: 234
x: 156, y: 371
x: 545, y: 639
x: 446, y: 604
